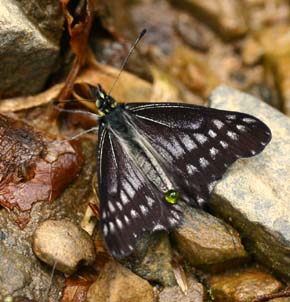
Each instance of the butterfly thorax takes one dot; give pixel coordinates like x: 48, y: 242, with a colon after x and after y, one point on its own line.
x: 119, y: 123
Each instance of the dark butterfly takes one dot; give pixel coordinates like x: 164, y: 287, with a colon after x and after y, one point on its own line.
x: 151, y: 155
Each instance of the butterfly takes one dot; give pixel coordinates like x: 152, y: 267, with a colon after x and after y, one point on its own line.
x: 152, y: 156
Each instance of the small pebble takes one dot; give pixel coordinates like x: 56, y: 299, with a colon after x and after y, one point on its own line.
x: 64, y: 243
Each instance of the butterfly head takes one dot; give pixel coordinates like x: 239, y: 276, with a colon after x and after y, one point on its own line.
x: 104, y: 102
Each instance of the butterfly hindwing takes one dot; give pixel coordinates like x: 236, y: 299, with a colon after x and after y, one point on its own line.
x: 197, y: 144
x: 129, y: 204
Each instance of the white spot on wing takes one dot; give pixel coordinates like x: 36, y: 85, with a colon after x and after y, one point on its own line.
x: 231, y: 116
x: 144, y: 210
x: 119, y: 223
x: 172, y: 221
x: 219, y: 124
x: 249, y: 120
x: 104, y: 215
x: 253, y: 152
x: 242, y: 128
x: 224, y: 144
x: 191, y: 169
x: 177, y: 148
x: 119, y: 205
x: 188, y: 142
x: 112, y: 227
x: 111, y: 207
x: 125, y: 200
x: 211, y: 133
x: 127, y: 220
x: 175, y: 214
x: 203, y: 162
x: 201, y: 138
x: 105, y: 230
x: 134, y: 214
x: 213, y: 152
x: 150, y: 201
x: 158, y: 227
x: 128, y: 188
x: 232, y: 135
x: 200, y: 201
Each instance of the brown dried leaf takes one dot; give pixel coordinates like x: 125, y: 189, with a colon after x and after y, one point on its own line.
x: 79, y: 27
x: 33, y: 169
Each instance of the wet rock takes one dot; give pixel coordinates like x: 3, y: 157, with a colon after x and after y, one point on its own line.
x: 208, y: 242
x: 226, y: 17
x: 71, y: 205
x: 117, y: 284
x: 152, y: 259
x: 64, y: 243
x: 35, y: 27
x: 196, y: 293
x: 255, y: 192
x: 243, y: 286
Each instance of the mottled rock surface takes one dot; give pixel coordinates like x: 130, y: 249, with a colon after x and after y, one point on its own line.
x: 16, y: 255
x: 243, y: 286
x: 64, y: 243
x: 208, y: 242
x: 30, y: 33
x: 117, y: 284
x: 254, y: 195
x: 196, y: 292
x: 152, y: 259
x: 226, y: 17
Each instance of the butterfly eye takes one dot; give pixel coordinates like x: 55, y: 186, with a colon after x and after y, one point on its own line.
x: 172, y: 196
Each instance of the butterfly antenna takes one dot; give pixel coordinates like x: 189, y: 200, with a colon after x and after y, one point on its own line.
x: 141, y: 35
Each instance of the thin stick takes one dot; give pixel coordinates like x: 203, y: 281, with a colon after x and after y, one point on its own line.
x: 50, y: 279
x: 143, y: 32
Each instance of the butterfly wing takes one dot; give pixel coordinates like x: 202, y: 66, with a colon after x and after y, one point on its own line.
x: 197, y: 144
x: 129, y: 204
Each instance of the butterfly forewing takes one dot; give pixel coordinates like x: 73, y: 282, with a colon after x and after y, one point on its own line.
x: 197, y: 144
x: 130, y: 204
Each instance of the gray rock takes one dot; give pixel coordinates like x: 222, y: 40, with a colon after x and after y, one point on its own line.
x: 152, y: 259
x: 13, y: 269
x: 29, y: 44
x: 64, y: 243
x: 254, y: 195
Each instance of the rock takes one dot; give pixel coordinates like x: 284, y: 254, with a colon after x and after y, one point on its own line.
x: 243, y: 286
x: 255, y: 192
x: 192, y: 32
x: 12, y: 270
x: 35, y: 27
x: 196, y: 293
x: 70, y: 205
x: 226, y: 17
x: 152, y: 259
x: 252, y: 52
x: 117, y: 284
x: 64, y: 243
x: 280, y: 68
x: 208, y: 242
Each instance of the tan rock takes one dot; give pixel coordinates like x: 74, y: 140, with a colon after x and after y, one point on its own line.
x: 118, y: 284
x: 243, y: 286
x: 207, y: 241
x: 64, y: 243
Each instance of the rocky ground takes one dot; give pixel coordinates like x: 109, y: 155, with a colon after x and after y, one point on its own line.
x: 198, y: 52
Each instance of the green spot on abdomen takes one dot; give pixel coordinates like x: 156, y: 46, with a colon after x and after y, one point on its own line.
x: 172, y: 196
